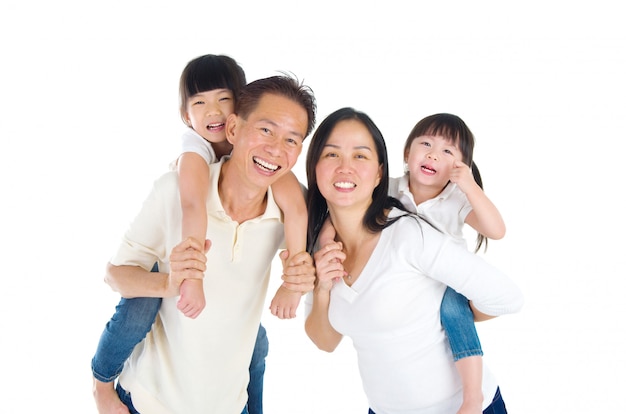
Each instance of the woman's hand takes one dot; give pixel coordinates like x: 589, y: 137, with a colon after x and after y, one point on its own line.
x: 329, y: 265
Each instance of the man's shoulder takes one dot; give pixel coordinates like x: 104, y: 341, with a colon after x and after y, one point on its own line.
x: 167, y: 181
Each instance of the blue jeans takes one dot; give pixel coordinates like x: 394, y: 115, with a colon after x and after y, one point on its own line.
x: 128, y: 326
x: 257, y: 372
x: 496, y: 407
x: 458, y: 321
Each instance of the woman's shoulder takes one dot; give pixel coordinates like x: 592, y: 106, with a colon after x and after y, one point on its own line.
x: 411, y: 222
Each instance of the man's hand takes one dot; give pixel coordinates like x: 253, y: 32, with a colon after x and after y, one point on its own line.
x: 298, y: 272
x: 187, y: 261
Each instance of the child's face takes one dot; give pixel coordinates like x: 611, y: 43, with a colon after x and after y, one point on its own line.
x: 431, y: 159
x: 206, y: 112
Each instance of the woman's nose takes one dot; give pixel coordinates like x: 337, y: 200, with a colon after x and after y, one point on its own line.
x: 345, y: 164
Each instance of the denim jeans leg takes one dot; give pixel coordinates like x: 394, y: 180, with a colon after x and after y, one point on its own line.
x: 497, y: 405
x: 125, y: 398
x: 257, y: 372
x: 132, y: 320
x: 458, y: 321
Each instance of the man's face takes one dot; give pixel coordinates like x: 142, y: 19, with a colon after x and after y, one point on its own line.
x: 268, y: 143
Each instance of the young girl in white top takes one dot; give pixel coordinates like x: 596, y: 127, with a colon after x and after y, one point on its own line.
x: 205, y: 105
x: 440, y: 185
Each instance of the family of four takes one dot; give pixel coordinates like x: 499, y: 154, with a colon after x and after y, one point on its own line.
x: 193, y: 268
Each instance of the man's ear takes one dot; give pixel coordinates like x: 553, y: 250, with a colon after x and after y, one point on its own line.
x: 231, y: 124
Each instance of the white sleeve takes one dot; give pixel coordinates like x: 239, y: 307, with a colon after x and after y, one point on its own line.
x: 192, y: 142
x: 440, y: 258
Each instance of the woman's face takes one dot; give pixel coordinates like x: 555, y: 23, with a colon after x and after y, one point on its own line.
x: 348, y: 171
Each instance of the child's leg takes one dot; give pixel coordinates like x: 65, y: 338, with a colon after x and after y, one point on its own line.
x: 288, y: 195
x: 458, y: 321
x: 129, y: 324
x: 257, y: 372
x: 192, y: 300
x: 132, y: 320
x: 193, y: 173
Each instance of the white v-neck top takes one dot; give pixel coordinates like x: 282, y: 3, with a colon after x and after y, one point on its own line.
x: 391, y: 313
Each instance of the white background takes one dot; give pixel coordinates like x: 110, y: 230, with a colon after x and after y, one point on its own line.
x: 88, y: 95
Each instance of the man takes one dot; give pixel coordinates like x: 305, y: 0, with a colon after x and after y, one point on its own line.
x: 201, y: 365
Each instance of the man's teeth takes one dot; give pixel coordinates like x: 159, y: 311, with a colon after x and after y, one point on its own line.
x: 345, y: 185
x: 266, y: 165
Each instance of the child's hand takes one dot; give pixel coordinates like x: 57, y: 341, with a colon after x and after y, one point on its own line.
x: 462, y: 176
x: 285, y: 303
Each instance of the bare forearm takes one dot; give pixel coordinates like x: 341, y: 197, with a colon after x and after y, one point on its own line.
x: 134, y: 281
x: 485, y: 217
x: 193, y: 172
x: 317, y: 325
x: 287, y: 193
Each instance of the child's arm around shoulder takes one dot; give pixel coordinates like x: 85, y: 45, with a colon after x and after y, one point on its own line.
x: 193, y: 173
x: 290, y: 199
x: 484, y: 217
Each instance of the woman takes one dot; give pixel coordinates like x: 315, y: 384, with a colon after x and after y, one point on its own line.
x: 382, y: 281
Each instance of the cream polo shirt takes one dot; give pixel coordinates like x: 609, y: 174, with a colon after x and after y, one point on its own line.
x: 200, y: 365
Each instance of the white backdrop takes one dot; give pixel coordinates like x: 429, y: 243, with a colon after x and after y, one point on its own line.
x: 89, y: 119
